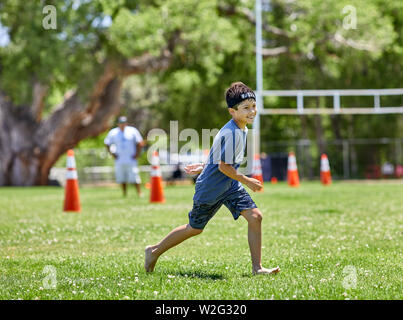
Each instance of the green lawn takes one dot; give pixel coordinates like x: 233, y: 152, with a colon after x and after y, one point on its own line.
x: 337, y: 242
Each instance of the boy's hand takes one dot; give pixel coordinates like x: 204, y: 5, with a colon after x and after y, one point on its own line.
x: 253, y: 184
x: 194, y: 168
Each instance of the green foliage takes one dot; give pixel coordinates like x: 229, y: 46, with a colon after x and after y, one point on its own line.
x: 215, y: 48
x: 323, y: 54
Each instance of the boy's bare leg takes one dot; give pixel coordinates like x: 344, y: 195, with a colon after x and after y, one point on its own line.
x: 254, y: 218
x: 173, y: 238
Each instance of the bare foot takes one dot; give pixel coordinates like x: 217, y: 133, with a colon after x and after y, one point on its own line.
x: 150, y: 259
x: 266, y: 271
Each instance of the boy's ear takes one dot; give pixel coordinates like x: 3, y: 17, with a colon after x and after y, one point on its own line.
x: 231, y: 111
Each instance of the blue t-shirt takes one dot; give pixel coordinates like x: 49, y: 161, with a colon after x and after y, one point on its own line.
x: 229, y: 147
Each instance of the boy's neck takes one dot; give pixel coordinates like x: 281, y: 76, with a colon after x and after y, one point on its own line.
x: 241, y: 125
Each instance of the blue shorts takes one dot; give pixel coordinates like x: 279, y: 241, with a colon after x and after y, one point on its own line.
x: 236, y: 202
x: 127, y: 173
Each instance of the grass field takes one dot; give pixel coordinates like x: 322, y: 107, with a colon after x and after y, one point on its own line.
x: 337, y: 242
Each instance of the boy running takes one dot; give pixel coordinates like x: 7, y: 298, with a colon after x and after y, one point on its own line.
x: 219, y: 183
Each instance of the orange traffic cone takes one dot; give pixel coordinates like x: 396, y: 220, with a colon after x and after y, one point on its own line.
x: 257, y: 169
x: 71, y: 197
x: 292, y: 171
x: 157, y: 192
x: 273, y: 180
x: 325, y: 176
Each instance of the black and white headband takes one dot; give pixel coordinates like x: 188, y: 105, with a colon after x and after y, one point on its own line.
x: 232, y: 102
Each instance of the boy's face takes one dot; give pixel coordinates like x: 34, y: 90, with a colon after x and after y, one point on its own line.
x: 246, y: 111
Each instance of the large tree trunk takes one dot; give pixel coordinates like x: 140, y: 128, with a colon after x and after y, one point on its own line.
x: 30, y: 145
x: 18, y: 162
x: 29, y: 148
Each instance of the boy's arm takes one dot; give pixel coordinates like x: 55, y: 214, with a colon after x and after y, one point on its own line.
x: 230, y: 171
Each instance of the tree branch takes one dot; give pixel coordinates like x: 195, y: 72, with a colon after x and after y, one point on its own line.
x: 230, y: 10
x: 39, y: 92
x: 72, y: 122
x: 271, y: 52
x: 110, y: 73
x: 358, y: 45
x: 109, y: 109
x: 75, y: 120
x: 148, y: 63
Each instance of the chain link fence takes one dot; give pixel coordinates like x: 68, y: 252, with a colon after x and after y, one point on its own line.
x: 96, y: 166
x: 349, y: 159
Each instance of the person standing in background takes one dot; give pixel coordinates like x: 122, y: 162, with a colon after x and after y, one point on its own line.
x: 128, y: 143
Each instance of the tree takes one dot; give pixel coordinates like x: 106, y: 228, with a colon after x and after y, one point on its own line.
x: 60, y: 86
x: 96, y: 45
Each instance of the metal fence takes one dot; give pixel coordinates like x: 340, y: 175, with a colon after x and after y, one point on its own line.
x: 96, y: 166
x: 349, y: 159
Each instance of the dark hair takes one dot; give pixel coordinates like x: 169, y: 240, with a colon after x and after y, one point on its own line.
x: 238, y: 92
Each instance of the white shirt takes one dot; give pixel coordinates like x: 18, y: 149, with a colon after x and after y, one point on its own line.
x: 125, y: 143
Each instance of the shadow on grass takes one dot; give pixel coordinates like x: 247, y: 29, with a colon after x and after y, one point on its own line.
x: 198, y: 274
x: 252, y: 276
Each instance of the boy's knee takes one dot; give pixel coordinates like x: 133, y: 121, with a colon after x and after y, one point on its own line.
x: 195, y: 231
x: 253, y: 216
x: 256, y: 216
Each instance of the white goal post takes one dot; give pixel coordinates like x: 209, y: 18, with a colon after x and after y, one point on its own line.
x: 300, y: 94
x: 336, y: 108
